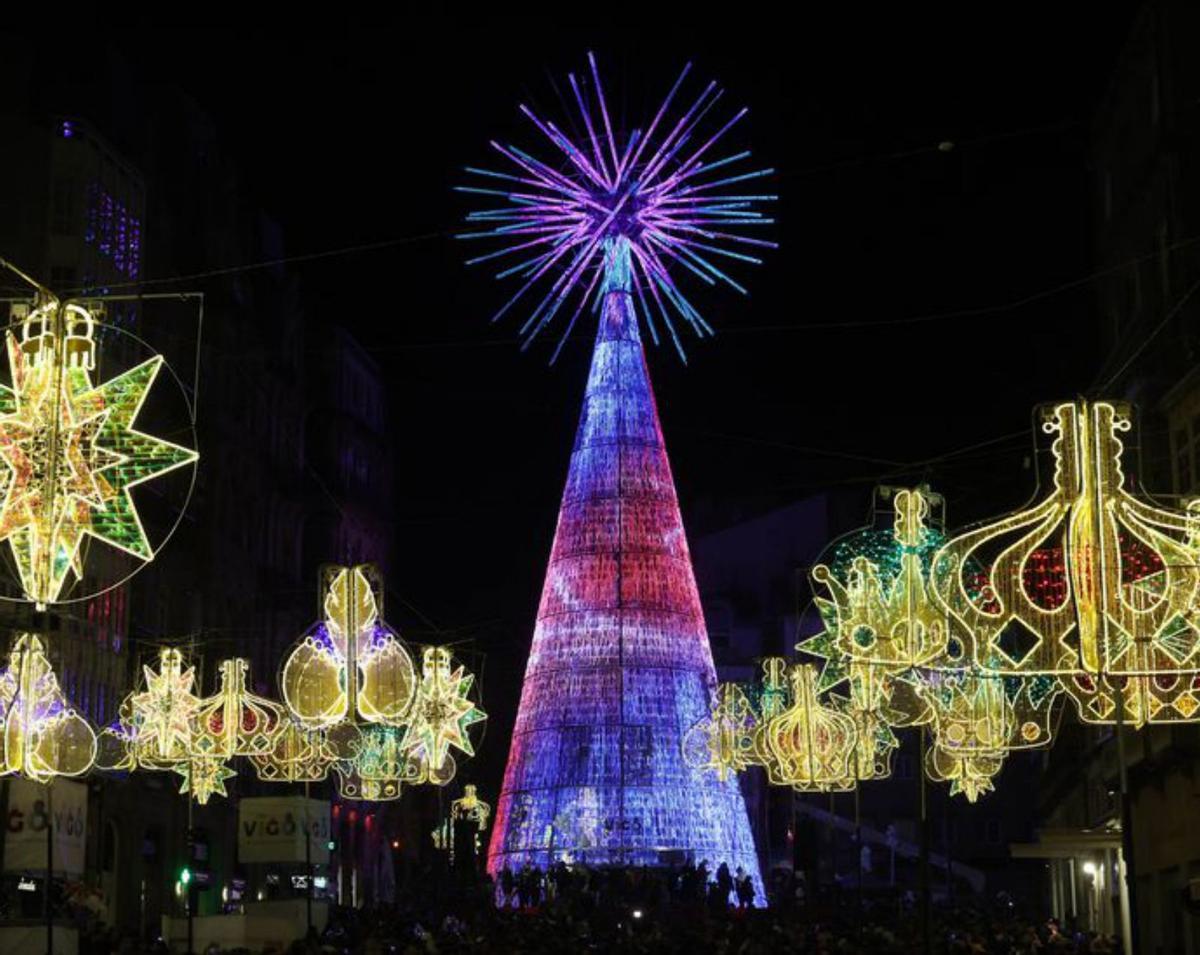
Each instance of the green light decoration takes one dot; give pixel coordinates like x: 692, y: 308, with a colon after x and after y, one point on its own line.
x: 69, y: 451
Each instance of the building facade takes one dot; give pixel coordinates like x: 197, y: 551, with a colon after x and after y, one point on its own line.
x: 294, y: 469
x: 1146, y: 189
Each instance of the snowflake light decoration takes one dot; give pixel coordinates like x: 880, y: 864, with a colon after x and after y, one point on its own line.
x: 622, y: 210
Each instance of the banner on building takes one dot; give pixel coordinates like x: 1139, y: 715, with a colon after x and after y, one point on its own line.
x: 27, y: 812
x: 271, y: 829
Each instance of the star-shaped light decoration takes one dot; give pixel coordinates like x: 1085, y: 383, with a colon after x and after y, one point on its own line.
x: 204, y: 778
x: 69, y: 451
x: 162, y: 713
x: 441, y: 713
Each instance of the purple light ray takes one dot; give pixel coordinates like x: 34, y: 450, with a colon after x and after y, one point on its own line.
x: 651, y: 188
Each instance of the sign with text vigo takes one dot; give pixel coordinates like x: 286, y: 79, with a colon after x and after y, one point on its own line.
x: 28, y: 813
x: 271, y: 829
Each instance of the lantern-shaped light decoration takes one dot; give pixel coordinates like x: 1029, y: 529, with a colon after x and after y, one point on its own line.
x: 352, y: 666
x: 43, y: 736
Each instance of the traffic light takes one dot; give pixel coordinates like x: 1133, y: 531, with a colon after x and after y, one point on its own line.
x: 185, y: 876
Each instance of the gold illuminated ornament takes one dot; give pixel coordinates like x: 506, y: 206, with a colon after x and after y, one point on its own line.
x: 352, y: 640
x: 298, y: 756
x: 889, y: 623
x: 442, y: 713
x: 204, y: 777
x: 470, y: 806
x: 376, y: 767
x: 1089, y: 584
x: 234, y: 721
x: 723, y: 742
x: 908, y: 663
x: 69, y: 451
x: 809, y: 745
x: 162, y: 714
x: 43, y: 736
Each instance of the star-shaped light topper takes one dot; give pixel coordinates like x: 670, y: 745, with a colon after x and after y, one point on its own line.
x: 69, y: 451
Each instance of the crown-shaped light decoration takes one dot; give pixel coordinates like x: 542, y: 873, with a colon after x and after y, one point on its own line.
x: 69, y: 451
x: 299, y: 756
x: 921, y: 670
x: 885, y: 619
x: 1089, y: 584
x: 376, y: 767
x: 43, y: 736
x: 352, y: 640
x: 724, y: 742
x: 232, y: 722
x: 810, y: 745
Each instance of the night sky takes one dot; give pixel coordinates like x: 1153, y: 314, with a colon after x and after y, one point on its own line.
x: 878, y: 337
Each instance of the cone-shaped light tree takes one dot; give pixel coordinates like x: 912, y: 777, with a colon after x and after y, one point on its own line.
x: 620, y: 665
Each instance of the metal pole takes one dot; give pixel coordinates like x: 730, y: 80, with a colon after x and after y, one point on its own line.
x: 308, y: 893
x: 1129, y: 930
x: 49, y: 869
x: 948, y: 821
x: 858, y: 845
x: 187, y: 889
x: 926, y: 889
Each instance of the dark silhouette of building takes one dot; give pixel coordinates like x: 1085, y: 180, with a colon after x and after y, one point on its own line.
x: 294, y: 470
x: 1145, y: 157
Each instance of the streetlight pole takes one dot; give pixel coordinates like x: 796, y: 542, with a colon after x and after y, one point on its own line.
x: 1129, y: 929
x: 49, y: 869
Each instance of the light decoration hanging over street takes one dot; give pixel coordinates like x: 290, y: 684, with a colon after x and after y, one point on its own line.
x: 724, y: 741
x: 69, y: 451
x: 156, y: 724
x: 811, y: 745
x: 43, y: 735
x: 905, y: 662
x: 442, y: 714
x: 384, y: 728
x: 299, y: 756
x: 1090, y: 584
x: 352, y: 640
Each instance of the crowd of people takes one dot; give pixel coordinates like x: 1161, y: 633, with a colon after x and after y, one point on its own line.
x: 685, y: 910
x: 681, y: 910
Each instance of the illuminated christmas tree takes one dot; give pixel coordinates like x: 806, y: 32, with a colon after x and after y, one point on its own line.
x: 620, y: 666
